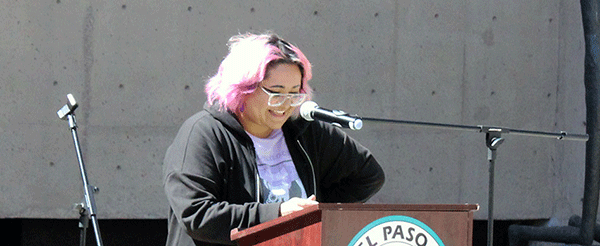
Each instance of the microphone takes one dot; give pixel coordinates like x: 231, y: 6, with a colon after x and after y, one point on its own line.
x: 68, y: 108
x: 311, y: 111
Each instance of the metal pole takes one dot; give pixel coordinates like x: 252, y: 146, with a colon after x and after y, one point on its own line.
x: 87, y: 210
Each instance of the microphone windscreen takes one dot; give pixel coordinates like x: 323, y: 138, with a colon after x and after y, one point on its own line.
x: 306, y: 110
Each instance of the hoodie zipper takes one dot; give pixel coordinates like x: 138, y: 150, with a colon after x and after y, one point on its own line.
x: 257, y: 187
x: 312, y: 167
x: 256, y: 176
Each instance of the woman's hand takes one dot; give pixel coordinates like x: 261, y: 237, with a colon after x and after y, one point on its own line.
x: 297, y: 204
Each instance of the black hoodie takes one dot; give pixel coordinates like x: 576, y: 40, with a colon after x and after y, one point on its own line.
x: 211, y: 178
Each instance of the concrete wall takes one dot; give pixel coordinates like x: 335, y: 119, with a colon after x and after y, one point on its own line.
x: 137, y: 69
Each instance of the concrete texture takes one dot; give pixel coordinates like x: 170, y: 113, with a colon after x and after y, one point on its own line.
x: 137, y: 69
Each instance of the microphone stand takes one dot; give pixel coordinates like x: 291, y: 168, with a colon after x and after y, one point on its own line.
x: 87, y: 208
x: 493, y: 139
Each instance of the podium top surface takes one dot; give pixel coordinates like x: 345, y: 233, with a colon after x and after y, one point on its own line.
x: 394, y: 207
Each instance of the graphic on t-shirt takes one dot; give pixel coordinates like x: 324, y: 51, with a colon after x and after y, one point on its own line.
x: 280, y: 182
x: 278, y: 176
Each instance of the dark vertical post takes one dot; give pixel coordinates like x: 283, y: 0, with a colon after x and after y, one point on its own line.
x: 580, y: 231
x: 591, y: 27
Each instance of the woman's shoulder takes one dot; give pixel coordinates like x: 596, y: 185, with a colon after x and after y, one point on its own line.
x: 199, y: 119
x: 199, y: 122
x: 208, y: 124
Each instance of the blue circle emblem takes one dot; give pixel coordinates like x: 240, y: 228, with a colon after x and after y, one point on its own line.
x: 396, y: 230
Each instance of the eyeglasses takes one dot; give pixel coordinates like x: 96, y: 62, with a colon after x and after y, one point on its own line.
x: 277, y: 99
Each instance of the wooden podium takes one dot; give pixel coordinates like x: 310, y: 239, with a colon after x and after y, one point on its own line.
x: 329, y: 224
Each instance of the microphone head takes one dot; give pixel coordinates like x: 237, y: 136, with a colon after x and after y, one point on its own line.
x: 356, y: 125
x: 306, y: 110
x: 71, y: 101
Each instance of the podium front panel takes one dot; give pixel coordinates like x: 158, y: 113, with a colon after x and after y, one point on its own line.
x: 309, y: 235
x: 340, y: 224
x: 340, y: 227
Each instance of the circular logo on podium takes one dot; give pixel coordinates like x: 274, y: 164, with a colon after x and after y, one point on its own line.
x: 396, y: 230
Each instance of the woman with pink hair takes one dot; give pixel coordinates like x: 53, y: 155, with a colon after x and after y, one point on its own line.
x: 247, y: 158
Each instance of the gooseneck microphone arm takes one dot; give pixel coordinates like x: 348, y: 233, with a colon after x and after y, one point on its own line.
x: 482, y: 128
x: 493, y: 136
x: 87, y: 208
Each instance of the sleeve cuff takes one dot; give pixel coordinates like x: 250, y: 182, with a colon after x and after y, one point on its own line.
x: 269, y: 211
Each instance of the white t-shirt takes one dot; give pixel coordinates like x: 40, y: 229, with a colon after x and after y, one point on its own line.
x: 278, y: 175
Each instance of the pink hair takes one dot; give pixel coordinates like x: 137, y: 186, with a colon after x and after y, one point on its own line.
x: 250, y: 56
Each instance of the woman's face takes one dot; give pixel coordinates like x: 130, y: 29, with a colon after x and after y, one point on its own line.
x: 260, y: 119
